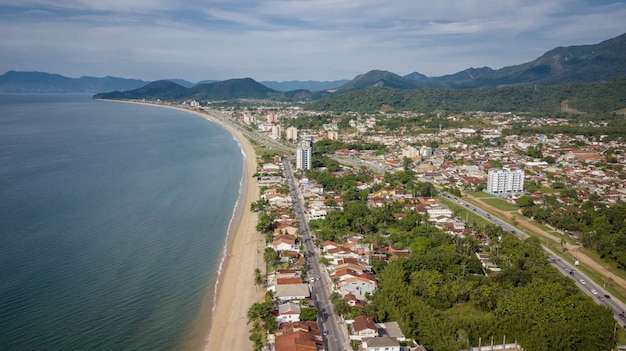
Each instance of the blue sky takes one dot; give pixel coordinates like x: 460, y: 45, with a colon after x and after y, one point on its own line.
x: 291, y: 39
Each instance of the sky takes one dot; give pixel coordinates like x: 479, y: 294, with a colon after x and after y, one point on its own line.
x: 283, y: 40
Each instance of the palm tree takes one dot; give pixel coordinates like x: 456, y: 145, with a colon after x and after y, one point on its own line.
x: 258, y: 278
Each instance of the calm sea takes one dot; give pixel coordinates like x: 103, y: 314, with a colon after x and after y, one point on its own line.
x: 113, y: 218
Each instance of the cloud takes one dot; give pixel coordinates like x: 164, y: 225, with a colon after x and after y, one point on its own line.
x: 291, y: 39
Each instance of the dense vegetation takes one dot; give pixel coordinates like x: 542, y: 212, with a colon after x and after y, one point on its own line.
x: 444, y: 307
x: 614, y: 129
x: 603, y: 97
x: 601, y: 229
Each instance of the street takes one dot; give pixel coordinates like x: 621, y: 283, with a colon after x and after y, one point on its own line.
x: 333, y: 329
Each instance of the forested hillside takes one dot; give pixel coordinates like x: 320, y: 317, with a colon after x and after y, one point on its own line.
x: 600, y: 98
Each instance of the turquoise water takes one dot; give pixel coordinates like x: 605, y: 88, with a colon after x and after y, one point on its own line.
x: 112, y: 222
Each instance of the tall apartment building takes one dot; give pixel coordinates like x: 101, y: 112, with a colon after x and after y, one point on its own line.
x: 503, y: 181
x: 304, y: 154
x: 292, y: 133
x: 276, y: 131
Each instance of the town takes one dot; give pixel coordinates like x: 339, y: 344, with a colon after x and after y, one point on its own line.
x: 347, y: 197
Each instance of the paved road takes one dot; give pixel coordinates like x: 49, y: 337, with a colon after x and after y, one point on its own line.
x: 589, y: 287
x: 333, y: 329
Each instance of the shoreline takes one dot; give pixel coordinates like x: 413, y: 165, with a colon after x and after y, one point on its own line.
x: 222, y: 323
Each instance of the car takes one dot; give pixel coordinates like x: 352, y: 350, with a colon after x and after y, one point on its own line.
x: 594, y: 291
x: 607, y: 296
x: 325, y: 332
x: 583, y: 282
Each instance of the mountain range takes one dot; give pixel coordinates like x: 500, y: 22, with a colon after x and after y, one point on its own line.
x: 573, y: 64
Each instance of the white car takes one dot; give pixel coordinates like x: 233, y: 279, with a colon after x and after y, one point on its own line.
x: 583, y: 282
x: 595, y: 292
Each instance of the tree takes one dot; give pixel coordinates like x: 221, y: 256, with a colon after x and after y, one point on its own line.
x: 265, y: 223
x: 525, y: 201
x: 258, y: 277
x: 271, y: 258
x: 308, y: 314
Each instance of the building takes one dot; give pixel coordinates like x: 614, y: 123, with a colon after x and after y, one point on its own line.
x: 379, y: 344
x: 364, y: 327
x: 304, y: 153
x: 276, y: 131
x: 357, y: 286
x: 505, y: 181
x: 288, y: 312
x: 291, y: 133
x: 332, y: 135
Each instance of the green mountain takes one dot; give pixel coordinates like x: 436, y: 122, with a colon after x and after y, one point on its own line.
x: 598, y: 97
x: 572, y: 64
x: 245, y: 88
x: 378, y: 78
x: 41, y: 82
x: 161, y: 89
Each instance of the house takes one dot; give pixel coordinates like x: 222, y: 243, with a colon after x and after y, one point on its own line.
x: 317, y: 214
x: 289, y: 292
x: 268, y: 180
x: 285, y: 243
x: 392, y: 330
x: 298, y: 336
x: 288, y: 312
x: 286, y: 229
x: 364, y: 327
x: 343, y: 274
x: 358, y: 286
x: 327, y: 245
x: 271, y: 168
x: 384, y: 343
x: 278, y: 200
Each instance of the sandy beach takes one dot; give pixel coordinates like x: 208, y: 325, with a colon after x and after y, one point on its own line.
x: 235, y: 292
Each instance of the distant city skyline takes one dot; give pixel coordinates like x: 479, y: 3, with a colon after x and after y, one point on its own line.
x: 282, y: 40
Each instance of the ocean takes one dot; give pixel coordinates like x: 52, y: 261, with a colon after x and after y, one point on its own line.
x: 113, y: 218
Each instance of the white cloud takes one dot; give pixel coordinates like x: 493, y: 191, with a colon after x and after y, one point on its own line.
x: 291, y: 39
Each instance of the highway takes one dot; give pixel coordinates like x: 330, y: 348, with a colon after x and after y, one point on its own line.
x: 588, y: 287
x: 332, y: 326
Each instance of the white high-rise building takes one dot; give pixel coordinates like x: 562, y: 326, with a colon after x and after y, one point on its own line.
x: 304, y: 154
x: 502, y: 181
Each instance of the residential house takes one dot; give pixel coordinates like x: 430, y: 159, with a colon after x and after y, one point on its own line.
x: 358, y: 286
x: 364, y: 327
x: 392, y: 330
x: 299, y: 336
x: 384, y: 343
x: 285, y: 243
x: 288, y: 312
x: 289, y: 292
